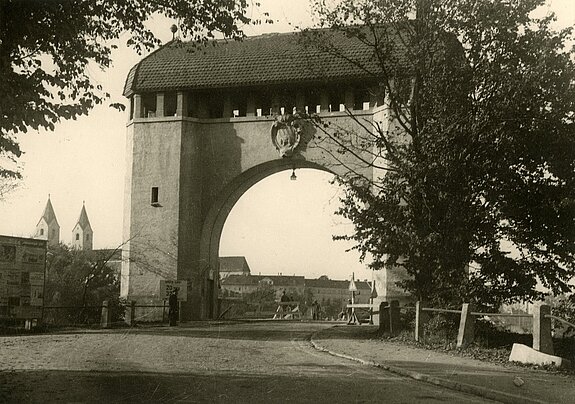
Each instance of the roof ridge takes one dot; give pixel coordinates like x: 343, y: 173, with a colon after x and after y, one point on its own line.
x: 83, y: 220
x: 136, y: 67
x: 269, y: 59
x: 49, y: 214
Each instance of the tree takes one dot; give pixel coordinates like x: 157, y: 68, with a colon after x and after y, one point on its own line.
x: 264, y: 294
x: 46, y: 47
x: 261, y: 299
x: 478, y: 197
x: 6, y: 186
x: 77, y: 280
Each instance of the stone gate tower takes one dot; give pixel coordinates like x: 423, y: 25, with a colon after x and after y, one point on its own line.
x: 208, y: 123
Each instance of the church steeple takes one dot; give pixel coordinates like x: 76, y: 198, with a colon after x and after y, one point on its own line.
x: 48, y: 227
x: 82, y: 234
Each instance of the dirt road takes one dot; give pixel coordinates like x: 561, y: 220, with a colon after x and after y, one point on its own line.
x: 227, y: 363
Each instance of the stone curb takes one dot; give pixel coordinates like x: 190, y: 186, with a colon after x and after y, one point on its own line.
x: 463, y: 387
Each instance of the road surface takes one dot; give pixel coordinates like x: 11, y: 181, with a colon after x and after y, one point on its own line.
x: 264, y: 362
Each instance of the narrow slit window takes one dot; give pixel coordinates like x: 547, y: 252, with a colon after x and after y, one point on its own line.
x: 155, y: 196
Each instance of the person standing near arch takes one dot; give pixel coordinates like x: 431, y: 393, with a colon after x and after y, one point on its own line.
x: 173, y: 308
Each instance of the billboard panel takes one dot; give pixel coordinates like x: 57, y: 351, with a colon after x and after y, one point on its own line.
x: 167, y: 286
x: 22, y: 267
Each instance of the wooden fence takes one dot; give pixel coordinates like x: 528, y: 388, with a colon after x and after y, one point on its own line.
x: 542, y: 336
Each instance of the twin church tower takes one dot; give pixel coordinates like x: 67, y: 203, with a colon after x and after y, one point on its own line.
x: 49, y: 229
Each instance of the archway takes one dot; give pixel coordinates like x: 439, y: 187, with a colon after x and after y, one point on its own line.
x: 227, y: 198
x: 221, y: 208
x: 286, y: 227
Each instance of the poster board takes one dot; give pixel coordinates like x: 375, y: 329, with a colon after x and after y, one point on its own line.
x: 22, y: 268
x: 167, y: 286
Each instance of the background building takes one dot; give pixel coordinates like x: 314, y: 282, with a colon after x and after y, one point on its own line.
x: 233, y: 266
x: 326, y: 291
x: 245, y: 284
x: 48, y: 227
x: 82, y: 233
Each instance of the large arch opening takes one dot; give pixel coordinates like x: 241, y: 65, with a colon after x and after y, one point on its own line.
x: 257, y: 185
x: 284, y: 226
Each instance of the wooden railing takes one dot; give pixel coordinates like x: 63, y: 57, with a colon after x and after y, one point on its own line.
x: 389, y: 321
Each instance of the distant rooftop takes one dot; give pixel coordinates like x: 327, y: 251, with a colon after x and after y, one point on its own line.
x: 295, y: 281
x: 335, y: 284
x: 234, y: 264
x: 276, y: 280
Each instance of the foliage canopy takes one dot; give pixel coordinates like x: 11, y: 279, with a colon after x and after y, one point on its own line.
x: 76, y: 280
x: 478, y: 197
x: 46, y: 47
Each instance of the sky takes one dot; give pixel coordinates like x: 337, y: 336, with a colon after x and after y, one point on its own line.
x: 84, y: 161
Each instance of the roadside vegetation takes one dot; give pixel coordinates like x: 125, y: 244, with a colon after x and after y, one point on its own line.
x: 493, y: 341
x: 77, y: 282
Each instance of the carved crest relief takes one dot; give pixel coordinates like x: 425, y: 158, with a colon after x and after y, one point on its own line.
x: 286, y: 134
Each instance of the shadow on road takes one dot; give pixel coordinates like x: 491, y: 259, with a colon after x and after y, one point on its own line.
x: 332, y: 385
x: 255, y: 331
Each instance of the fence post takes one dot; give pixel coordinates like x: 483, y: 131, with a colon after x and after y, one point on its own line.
x: 384, y: 318
x: 105, y: 319
x: 466, y: 326
x: 421, y: 318
x: 131, y: 314
x: 542, y: 339
x: 394, y: 321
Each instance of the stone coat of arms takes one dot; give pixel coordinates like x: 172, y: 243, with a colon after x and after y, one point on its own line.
x: 286, y: 134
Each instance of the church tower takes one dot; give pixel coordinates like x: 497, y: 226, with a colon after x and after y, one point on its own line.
x: 48, y: 227
x: 82, y: 234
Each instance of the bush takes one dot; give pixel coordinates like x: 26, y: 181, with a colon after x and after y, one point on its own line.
x: 565, y: 348
x: 564, y: 307
x: 489, y: 335
x: 77, y: 282
x: 442, y: 329
x: 407, y: 318
x: 117, y: 307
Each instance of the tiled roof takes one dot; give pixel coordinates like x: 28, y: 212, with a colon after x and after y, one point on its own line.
x: 240, y: 280
x: 326, y: 283
x: 233, y: 264
x: 277, y: 280
x: 264, y: 60
x: 335, y: 284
